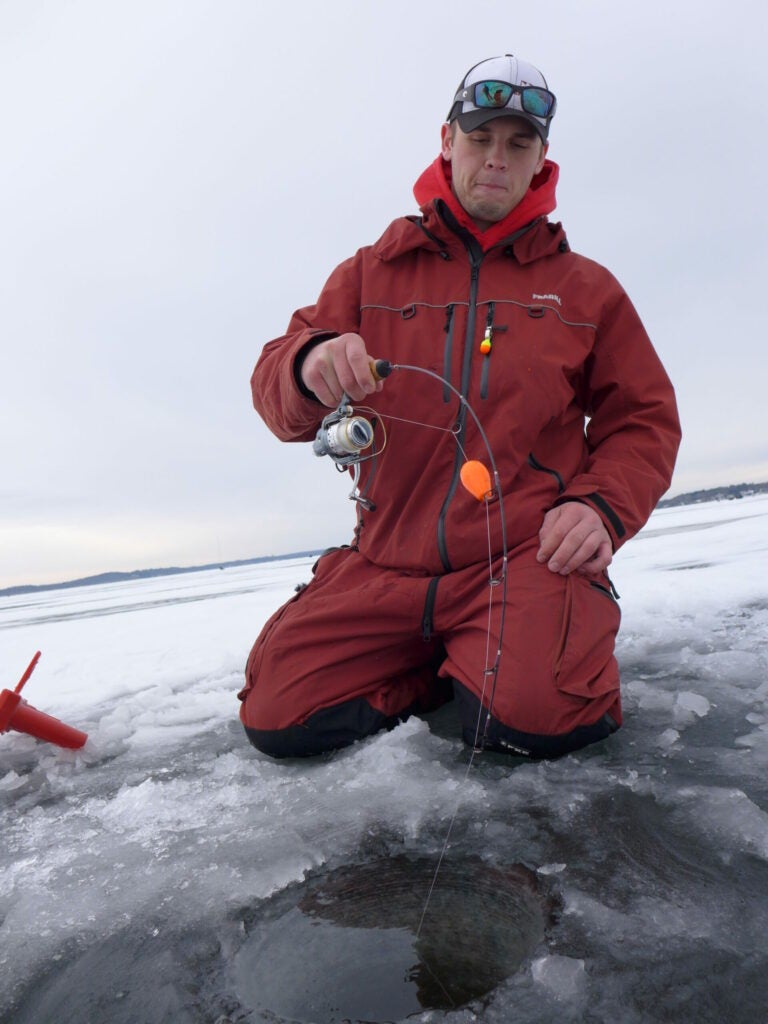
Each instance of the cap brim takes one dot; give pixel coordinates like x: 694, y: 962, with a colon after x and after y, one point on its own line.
x: 476, y: 118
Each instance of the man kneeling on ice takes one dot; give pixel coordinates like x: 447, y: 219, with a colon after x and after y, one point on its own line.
x: 541, y: 369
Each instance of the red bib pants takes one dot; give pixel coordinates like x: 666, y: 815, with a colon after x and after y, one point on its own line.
x: 362, y: 647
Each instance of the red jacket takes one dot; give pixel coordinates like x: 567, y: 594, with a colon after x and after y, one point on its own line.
x: 567, y: 349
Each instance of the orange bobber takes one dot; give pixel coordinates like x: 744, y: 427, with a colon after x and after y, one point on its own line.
x: 477, y: 480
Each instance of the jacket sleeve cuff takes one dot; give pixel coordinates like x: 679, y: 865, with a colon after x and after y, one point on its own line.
x: 609, y: 516
x: 301, y: 355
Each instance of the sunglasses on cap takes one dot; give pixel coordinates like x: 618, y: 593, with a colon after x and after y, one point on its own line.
x: 492, y: 95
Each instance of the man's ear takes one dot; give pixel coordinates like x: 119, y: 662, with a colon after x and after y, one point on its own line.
x: 446, y: 141
x: 543, y: 157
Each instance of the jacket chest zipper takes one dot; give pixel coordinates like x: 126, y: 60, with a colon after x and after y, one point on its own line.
x: 475, y: 258
x: 448, y: 353
x: 470, y: 336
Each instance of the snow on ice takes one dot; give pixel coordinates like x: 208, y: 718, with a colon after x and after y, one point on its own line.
x: 140, y: 877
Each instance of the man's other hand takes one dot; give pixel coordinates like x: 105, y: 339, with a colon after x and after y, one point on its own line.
x: 573, y: 539
x: 338, y: 366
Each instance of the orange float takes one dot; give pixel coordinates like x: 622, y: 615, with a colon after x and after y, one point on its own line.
x: 477, y: 480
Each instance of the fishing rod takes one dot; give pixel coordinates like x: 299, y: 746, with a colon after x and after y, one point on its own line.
x: 347, y: 438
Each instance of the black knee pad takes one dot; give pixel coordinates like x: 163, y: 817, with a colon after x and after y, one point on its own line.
x: 491, y: 734
x: 327, y: 729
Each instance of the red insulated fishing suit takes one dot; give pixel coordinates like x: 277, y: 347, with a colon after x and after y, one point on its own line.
x: 574, y: 404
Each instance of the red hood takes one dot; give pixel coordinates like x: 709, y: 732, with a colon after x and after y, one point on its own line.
x: 435, y: 183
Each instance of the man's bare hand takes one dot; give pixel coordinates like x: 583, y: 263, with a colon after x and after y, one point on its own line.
x: 573, y: 538
x: 338, y: 366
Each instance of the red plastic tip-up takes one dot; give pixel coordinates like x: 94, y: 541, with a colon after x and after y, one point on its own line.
x: 17, y: 714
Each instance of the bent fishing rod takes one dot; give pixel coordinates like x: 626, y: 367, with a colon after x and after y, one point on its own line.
x: 347, y: 438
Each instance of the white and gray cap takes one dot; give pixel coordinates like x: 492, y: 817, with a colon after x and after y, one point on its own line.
x: 503, y: 87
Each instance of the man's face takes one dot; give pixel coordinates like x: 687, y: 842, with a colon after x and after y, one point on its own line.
x: 492, y: 166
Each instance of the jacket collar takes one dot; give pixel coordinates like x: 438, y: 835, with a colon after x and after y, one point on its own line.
x: 433, y: 231
x: 435, y: 184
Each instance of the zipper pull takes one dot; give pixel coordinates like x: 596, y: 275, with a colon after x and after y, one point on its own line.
x: 487, y: 343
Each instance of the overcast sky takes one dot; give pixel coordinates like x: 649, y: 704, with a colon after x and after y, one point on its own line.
x: 177, y: 176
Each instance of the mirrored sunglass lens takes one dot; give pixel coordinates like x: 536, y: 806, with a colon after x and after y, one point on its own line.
x: 492, y: 94
x: 536, y: 101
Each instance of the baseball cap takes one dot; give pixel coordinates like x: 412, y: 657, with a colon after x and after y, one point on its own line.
x: 503, y: 87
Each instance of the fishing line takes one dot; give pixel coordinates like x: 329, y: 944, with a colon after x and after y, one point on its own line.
x: 446, y: 841
x: 491, y: 672
x: 491, y: 584
x: 347, y: 454
x: 454, y: 431
x: 477, y: 745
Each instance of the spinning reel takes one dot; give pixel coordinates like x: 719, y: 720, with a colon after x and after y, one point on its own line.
x: 346, y: 437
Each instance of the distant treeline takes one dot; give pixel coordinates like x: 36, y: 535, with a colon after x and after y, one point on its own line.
x: 690, y: 498
x: 141, y: 574
x: 715, y: 494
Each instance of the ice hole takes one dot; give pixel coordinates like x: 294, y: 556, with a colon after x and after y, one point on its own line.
x: 347, y: 945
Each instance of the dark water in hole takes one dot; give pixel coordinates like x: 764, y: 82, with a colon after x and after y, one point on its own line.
x: 346, y: 947
x: 341, y: 947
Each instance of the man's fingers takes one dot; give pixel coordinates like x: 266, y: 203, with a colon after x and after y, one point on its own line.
x: 573, y: 536
x: 575, y: 549
x: 339, y: 366
x: 599, y: 562
x: 353, y: 367
x: 562, y: 532
x: 326, y: 384
x: 587, y: 555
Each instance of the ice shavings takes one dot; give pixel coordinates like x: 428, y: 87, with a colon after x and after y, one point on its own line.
x: 729, y: 814
x: 668, y: 738
x: 551, y: 869
x: 644, y: 920
x: 694, y: 702
x: 562, y: 976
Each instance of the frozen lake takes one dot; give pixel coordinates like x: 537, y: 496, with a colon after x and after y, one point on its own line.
x: 170, y: 873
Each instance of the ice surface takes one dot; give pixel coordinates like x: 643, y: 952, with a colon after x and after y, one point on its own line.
x: 133, y: 872
x: 562, y: 976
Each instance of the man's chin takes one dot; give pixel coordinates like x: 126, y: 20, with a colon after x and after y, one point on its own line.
x: 489, y: 213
